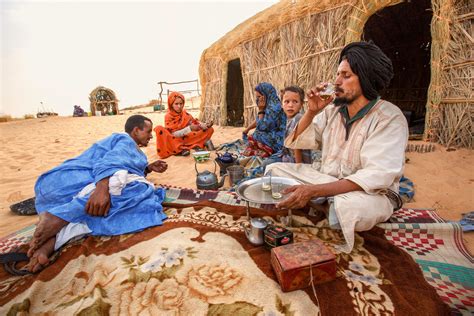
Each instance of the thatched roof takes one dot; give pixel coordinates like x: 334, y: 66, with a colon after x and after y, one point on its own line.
x: 109, y: 92
x: 281, y: 13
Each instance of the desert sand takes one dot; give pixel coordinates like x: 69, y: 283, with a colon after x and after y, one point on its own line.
x: 444, y: 180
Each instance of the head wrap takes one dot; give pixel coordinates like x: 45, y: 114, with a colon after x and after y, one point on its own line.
x: 175, y: 121
x: 371, y: 65
x: 270, y: 130
x: 172, y: 97
x: 272, y: 101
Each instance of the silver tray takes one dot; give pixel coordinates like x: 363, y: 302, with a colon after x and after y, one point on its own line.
x: 251, y: 190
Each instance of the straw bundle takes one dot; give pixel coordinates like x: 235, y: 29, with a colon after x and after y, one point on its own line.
x: 298, y: 42
x: 450, y: 107
x: 420, y: 148
x: 363, y: 11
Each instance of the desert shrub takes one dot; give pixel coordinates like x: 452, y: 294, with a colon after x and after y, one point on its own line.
x: 153, y: 102
x: 5, y: 118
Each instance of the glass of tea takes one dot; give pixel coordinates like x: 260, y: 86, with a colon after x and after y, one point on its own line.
x: 276, y: 190
x: 266, y: 182
x: 327, y: 92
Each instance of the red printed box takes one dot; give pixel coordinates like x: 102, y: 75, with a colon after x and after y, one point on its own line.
x: 294, y: 264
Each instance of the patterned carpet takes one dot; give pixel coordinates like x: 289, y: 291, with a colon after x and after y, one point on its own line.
x: 436, y: 246
x: 433, y: 243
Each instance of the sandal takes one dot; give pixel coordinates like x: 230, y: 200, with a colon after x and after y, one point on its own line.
x: 184, y: 152
x: 197, y: 148
x: 26, y: 207
x: 9, y: 261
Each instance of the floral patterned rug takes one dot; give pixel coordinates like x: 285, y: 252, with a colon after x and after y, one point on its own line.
x: 200, y: 263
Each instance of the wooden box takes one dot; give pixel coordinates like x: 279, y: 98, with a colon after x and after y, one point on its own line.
x: 276, y: 236
x: 294, y: 264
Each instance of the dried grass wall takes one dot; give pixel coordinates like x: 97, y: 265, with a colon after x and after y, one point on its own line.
x: 213, y: 91
x: 450, y: 117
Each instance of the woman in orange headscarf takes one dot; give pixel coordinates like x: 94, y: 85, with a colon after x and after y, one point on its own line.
x: 182, y: 132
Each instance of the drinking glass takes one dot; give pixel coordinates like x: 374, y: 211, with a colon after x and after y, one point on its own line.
x: 266, y: 182
x: 276, y: 190
x: 327, y: 92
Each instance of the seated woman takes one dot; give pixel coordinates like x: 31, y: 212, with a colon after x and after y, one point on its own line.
x: 270, y: 123
x: 181, y: 132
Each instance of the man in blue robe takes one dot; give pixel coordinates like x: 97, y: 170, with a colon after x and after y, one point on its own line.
x: 103, y: 191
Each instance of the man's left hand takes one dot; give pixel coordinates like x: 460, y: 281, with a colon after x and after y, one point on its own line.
x: 157, y: 166
x: 299, y: 197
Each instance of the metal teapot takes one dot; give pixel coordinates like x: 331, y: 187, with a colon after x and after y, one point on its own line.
x: 255, y: 232
x: 227, y: 157
x: 207, y: 180
x: 226, y: 160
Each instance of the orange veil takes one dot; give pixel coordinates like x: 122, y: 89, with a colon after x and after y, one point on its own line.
x: 166, y: 143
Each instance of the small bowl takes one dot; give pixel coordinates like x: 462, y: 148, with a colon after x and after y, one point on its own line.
x: 201, y: 156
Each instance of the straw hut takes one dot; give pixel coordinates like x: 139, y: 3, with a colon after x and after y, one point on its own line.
x: 298, y: 42
x: 103, y: 100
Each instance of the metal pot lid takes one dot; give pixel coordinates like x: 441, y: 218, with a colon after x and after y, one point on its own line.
x: 258, y: 222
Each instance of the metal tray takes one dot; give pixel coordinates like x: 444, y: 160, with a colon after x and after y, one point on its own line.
x: 251, y: 190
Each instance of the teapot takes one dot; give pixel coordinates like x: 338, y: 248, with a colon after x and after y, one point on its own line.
x: 226, y: 157
x: 226, y: 160
x: 207, y: 180
x: 255, y: 232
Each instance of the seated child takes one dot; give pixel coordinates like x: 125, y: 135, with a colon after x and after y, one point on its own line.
x: 292, y: 101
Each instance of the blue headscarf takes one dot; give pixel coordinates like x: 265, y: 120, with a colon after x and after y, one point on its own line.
x: 271, y: 129
x: 273, y: 102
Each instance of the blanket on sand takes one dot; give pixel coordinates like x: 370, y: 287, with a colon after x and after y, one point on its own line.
x: 199, y: 262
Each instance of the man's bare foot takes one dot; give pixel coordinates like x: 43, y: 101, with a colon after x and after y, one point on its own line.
x: 318, y: 211
x: 48, y: 226
x: 40, y: 257
x: 324, y: 207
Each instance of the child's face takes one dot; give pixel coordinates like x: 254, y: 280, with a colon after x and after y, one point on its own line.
x: 291, y: 103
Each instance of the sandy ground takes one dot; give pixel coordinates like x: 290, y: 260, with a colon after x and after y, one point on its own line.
x: 443, y: 180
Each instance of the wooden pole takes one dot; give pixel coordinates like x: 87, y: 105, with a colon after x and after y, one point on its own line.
x: 161, y: 92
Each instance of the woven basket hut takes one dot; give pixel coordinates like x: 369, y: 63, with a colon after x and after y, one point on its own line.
x: 103, y: 100
x: 430, y: 43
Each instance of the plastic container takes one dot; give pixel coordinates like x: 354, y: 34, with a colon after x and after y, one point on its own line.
x: 201, y: 156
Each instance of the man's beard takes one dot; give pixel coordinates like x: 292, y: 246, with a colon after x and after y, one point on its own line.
x: 341, y: 101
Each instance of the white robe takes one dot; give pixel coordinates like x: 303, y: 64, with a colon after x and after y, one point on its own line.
x: 373, y: 157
